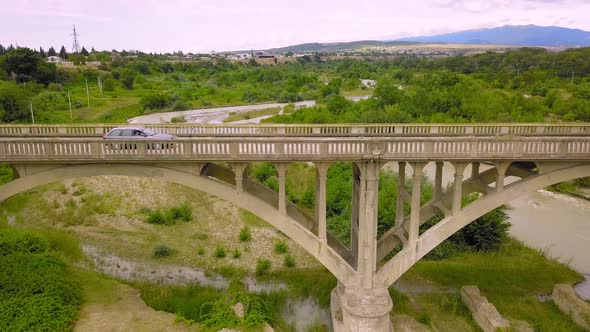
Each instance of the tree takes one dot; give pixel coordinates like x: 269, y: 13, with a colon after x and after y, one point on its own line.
x: 92, y: 50
x: 42, y: 52
x: 84, y: 52
x: 14, y: 102
x: 127, y: 77
x: 2, y: 50
x: 51, y: 51
x: 63, y: 53
x: 26, y: 65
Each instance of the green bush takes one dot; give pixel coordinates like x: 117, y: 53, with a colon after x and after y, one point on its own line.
x: 182, y: 212
x: 219, y: 252
x: 154, y: 101
x: 156, y: 217
x: 262, y: 266
x: 170, y: 216
x: 236, y: 253
x: 245, y: 235
x: 281, y: 247
x: 201, y: 251
x: 37, y: 291
x: 289, y: 261
x: 162, y: 250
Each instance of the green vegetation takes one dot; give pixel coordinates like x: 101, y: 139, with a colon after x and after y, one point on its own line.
x: 262, y: 266
x: 171, y: 215
x: 38, y: 292
x: 289, y: 261
x: 220, y: 252
x: 245, y: 235
x: 281, y: 247
x: 162, y: 250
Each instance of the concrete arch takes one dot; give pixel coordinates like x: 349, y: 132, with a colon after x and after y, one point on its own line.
x: 438, y: 233
x: 310, y: 242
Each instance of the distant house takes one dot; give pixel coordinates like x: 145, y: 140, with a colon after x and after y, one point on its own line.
x: 54, y: 59
x: 262, y: 55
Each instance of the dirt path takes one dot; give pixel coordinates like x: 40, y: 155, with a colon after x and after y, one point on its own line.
x: 113, y: 306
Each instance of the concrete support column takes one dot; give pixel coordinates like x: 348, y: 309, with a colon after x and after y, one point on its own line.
x: 458, y: 187
x: 282, y: 172
x: 367, y: 240
x: 361, y: 309
x: 239, y: 169
x: 355, y: 213
x: 438, y: 181
x: 474, y: 170
x: 413, y: 230
x: 501, y: 168
x: 401, y: 188
x: 320, y: 198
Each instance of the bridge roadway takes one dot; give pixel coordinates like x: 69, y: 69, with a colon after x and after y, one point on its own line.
x: 214, y: 158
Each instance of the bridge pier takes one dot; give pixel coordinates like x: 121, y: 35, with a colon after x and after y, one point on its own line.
x: 363, y: 306
x: 361, y: 309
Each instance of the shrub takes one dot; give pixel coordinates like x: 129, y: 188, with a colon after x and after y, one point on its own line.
x: 201, y: 251
x: 156, y: 217
x: 220, y: 252
x: 162, y: 250
x: 289, y: 261
x: 281, y: 247
x: 178, y: 119
x: 236, y: 253
x: 154, y: 101
x: 182, y: 212
x: 109, y: 84
x: 38, y: 292
x: 245, y: 235
x: 262, y: 266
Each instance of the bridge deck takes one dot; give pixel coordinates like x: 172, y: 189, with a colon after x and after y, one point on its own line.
x: 387, y: 130
x: 305, y: 148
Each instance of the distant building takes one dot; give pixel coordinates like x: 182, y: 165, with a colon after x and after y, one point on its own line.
x: 54, y: 59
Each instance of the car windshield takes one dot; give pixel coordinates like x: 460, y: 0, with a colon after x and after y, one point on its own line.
x: 149, y: 132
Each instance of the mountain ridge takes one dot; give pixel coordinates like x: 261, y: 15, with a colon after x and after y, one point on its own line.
x: 520, y: 35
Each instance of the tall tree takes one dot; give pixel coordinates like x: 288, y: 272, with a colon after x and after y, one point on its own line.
x: 26, y: 65
x: 42, y: 52
x: 51, y: 51
x: 92, y: 50
x: 63, y: 53
x: 84, y: 52
x: 2, y: 50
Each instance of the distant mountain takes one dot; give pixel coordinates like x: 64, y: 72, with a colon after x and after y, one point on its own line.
x: 522, y: 35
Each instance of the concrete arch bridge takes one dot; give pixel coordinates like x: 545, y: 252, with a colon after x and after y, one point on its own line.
x: 213, y: 159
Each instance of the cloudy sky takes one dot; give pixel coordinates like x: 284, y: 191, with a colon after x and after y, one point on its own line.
x: 205, y: 25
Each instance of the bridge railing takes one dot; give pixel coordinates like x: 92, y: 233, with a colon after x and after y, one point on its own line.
x: 296, y: 149
x: 198, y: 130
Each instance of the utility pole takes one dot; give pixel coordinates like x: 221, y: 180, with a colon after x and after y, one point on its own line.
x: 99, y: 87
x: 70, y: 102
x: 32, y: 114
x: 87, y: 93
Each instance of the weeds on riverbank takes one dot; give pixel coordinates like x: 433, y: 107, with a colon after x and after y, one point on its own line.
x: 171, y: 215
